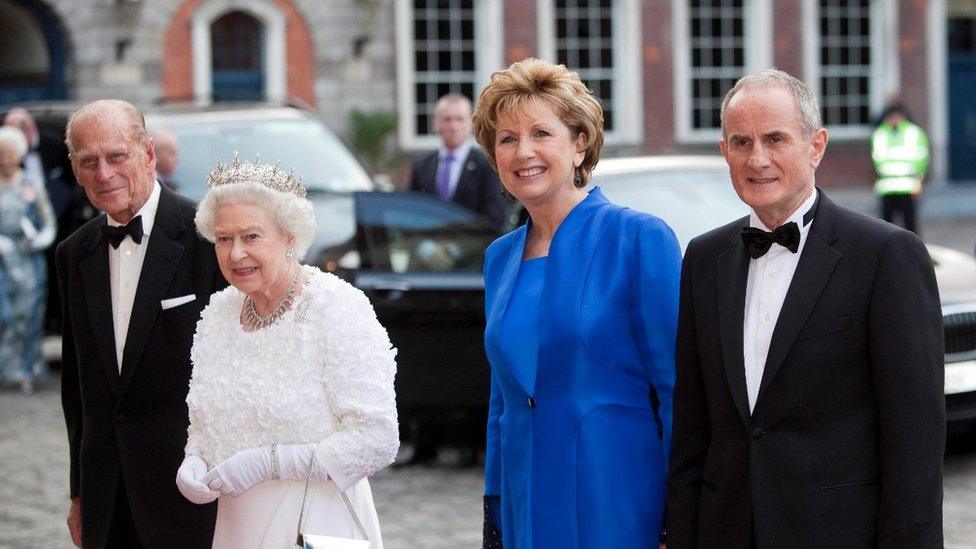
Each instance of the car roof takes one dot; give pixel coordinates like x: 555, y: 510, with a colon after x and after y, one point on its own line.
x: 188, y: 115
x: 636, y: 164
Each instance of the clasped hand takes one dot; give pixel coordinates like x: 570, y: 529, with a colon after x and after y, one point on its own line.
x: 246, y: 468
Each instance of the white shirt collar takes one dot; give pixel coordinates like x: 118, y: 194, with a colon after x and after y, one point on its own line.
x: 796, y: 216
x: 148, y: 211
x: 459, y: 154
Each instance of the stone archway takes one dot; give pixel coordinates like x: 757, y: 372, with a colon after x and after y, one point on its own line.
x: 32, y: 53
x: 290, y: 57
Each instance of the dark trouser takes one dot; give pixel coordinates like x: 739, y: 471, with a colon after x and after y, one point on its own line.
x: 901, y: 204
x: 122, y: 533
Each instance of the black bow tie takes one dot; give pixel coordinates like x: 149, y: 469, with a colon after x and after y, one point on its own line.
x: 758, y: 241
x: 115, y: 235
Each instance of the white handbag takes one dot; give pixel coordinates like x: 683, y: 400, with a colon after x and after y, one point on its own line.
x: 320, y: 541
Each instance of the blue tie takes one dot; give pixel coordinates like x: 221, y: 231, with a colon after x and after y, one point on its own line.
x: 444, y: 178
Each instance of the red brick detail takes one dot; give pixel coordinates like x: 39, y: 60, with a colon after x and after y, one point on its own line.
x: 912, y: 52
x: 521, y: 23
x: 788, y: 37
x: 657, y: 61
x: 178, y: 54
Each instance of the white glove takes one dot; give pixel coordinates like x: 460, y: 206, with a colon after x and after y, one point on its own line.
x: 188, y: 480
x: 254, y: 465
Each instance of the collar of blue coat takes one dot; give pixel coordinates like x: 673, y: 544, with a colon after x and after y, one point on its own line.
x: 572, y: 244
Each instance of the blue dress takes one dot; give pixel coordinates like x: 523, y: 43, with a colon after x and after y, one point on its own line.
x: 579, y: 431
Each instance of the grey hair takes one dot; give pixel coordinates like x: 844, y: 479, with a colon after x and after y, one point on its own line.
x: 135, y: 123
x: 12, y: 138
x: 293, y: 215
x: 806, y: 102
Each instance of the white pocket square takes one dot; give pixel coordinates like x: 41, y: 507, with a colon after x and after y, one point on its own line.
x: 176, y: 301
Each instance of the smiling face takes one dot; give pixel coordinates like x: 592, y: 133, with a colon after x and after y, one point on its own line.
x: 536, y: 153
x: 771, y: 162
x: 116, y: 170
x: 251, y: 250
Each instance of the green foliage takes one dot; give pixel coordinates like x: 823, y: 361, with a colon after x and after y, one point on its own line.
x: 371, y: 134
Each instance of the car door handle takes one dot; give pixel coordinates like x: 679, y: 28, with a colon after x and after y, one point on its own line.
x: 391, y: 285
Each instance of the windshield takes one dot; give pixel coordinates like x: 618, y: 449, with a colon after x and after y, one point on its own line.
x: 305, y: 144
x: 691, y: 201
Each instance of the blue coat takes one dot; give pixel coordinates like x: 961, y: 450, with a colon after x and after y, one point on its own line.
x: 580, y: 459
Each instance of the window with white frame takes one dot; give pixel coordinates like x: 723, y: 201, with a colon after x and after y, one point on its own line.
x: 442, y: 46
x: 600, y: 40
x: 845, y: 62
x: 584, y: 43
x: 717, y: 45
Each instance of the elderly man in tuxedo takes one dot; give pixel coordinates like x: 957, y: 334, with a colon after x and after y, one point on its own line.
x: 458, y: 171
x: 808, y: 406
x: 133, y: 281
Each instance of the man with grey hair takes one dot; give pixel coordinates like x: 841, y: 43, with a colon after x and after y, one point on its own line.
x: 808, y: 407
x: 133, y: 282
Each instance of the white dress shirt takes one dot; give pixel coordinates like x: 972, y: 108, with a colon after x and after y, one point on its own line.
x: 769, y: 280
x: 460, y: 155
x: 125, y: 266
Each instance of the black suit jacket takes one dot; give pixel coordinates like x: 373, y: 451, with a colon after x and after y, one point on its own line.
x: 478, y: 188
x: 844, y: 446
x: 132, y: 426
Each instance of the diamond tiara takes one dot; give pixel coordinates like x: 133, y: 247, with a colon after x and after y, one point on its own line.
x: 256, y: 172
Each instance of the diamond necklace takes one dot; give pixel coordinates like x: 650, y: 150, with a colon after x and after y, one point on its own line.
x: 256, y: 321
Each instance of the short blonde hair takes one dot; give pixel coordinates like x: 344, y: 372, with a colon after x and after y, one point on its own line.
x: 295, y: 216
x: 533, y: 79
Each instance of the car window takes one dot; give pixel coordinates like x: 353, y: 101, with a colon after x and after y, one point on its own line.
x: 691, y: 201
x: 305, y: 144
x: 413, y: 232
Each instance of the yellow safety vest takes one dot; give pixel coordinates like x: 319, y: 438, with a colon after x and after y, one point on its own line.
x: 901, y: 157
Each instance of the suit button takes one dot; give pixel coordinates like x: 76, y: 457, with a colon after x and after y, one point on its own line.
x: 758, y: 433
x: 119, y: 418
x: 531, y: 402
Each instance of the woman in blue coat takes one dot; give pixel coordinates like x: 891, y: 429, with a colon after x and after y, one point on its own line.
x: 581, y: 305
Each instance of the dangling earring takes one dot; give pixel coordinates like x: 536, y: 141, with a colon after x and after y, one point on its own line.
x: 578, y: 179
x: 290, y: 255
x: 508, y: 196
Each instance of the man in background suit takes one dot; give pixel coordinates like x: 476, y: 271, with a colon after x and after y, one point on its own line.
x: 134, y: 282
x: 167, y: 157
x: 458, y: 172
x: 809, y: 407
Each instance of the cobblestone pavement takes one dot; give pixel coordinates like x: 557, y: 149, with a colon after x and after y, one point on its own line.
x: 419, y: 508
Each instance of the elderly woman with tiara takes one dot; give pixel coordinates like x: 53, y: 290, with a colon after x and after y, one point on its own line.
x: 291, y: 400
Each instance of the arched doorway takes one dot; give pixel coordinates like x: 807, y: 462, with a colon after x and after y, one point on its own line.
x: 237, y: 57
x: 32, y: 56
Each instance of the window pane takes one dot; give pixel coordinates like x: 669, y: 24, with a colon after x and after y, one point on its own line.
x: 584, y: 43
x: 444, y: 55
x: 845, y: 61
x: 718, y: 51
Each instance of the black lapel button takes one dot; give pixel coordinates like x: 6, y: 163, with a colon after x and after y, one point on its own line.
x: 757, y: 433
x: 531, y: 402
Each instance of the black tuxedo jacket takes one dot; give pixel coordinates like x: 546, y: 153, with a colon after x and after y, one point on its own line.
x: 132, y: 427
x: 478, y: 188
x: 844, y: 446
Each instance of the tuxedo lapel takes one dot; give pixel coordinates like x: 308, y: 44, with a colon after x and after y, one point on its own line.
x: 97, y: 289
x: 733, y: 272
x: 158, y: 268
x: 813, y: 271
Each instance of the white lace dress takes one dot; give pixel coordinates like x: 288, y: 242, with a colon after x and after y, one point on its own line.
x: 323, y: 373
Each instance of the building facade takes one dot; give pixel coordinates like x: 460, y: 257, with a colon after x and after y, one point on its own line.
x: 660, y: 67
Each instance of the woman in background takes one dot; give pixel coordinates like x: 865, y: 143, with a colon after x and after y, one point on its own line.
x: 581, y: 307
x: 27, y: 228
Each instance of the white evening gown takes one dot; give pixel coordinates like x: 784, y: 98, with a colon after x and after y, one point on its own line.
x: 323, y: 373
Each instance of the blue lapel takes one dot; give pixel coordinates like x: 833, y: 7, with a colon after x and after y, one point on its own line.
x: 572, y: 247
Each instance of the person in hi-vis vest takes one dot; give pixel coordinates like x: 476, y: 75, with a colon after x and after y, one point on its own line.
x: 900, y: 151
